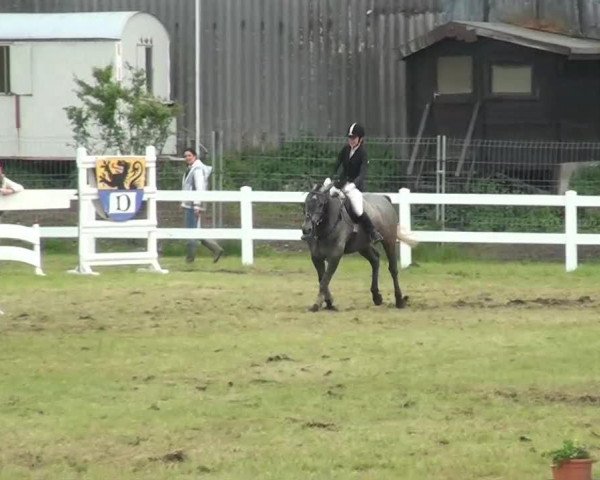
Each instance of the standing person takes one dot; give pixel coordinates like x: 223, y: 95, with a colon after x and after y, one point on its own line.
x: 352, y: 179
x: 7, y: 186
x: 196, y: 178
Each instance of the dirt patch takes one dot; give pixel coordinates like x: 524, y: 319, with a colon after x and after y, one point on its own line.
x: 522, y: 302
x: 177, y: 456
x: 552, y: 302
x: 336, y: 391
x: 542, y: 397
x: 263, y: 381
x: 30, y: 460
x: 280, y: 358
x: 321, y: 425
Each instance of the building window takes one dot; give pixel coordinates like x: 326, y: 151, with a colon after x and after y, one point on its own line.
x: 512, y: 79
x: 454, y: 75
x: 144, y: 62
x: 148, y: 66
x: 4, y: 69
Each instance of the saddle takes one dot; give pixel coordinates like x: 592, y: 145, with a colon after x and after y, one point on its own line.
x: 347, y: 206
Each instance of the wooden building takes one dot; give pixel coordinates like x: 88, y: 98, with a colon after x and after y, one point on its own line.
x: 479, y: 80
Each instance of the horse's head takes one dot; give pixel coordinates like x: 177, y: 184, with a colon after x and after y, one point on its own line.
x: 314, y: 210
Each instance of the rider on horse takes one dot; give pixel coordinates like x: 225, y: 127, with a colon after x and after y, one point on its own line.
x: 353, y: 178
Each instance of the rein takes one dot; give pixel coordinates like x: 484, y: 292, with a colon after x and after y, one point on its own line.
x: 333, y: 227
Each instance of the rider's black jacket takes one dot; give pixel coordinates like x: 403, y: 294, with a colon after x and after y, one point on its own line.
x: 354, y: 169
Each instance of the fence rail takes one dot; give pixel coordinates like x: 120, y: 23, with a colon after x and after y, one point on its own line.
x: 405, y: 199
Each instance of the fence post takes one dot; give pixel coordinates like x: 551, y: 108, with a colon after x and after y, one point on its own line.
x: 215, y: 173
x: 86, y: 214
x: 221, y: 170
x: 404, y: 225
x: 444, y: 161
x: 246, y: 225
x: 570, y: 230
x: 37, y: 250
x: 438, y: 173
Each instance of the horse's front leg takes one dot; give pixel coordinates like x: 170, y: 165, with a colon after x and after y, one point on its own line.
x: 319, y: 264
x: 324, y: 293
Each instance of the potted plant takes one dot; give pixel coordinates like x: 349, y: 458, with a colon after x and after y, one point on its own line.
x: 571, y: 462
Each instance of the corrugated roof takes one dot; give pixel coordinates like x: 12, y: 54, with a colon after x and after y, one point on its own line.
x: 573, y: 47
x: 63, y: 26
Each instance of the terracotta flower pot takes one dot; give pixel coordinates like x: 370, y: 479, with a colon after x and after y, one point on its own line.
x: 576, y: 469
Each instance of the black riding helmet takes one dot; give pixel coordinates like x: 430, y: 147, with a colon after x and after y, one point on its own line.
x: 356, y: 130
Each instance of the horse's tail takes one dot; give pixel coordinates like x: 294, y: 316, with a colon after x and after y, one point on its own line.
x: 405, y: 237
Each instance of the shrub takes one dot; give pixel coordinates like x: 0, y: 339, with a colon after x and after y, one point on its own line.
x: 119, y: 117
x: 570, y: 450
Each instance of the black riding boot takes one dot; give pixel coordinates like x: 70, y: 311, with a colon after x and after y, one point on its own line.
x: 366, y: 223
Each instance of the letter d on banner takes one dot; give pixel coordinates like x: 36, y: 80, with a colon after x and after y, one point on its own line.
x: 121, y: 205
x: 121, y: 182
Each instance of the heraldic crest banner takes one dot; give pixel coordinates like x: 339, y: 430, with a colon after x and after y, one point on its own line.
x: 121, y: 182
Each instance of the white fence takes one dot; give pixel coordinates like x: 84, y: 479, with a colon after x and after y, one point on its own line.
x: 29, y: 200
x: 246, y: 197
x: 570, y: 238
x: 30, y: 235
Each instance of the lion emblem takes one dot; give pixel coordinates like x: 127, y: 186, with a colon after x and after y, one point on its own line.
x: 121, y: 173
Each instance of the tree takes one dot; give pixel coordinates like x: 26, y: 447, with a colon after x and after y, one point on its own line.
x: 119, y: 117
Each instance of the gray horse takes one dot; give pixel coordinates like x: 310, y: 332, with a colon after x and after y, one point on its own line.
x: 331, y: 234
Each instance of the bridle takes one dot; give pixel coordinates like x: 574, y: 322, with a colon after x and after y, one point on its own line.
x: 315, y: 224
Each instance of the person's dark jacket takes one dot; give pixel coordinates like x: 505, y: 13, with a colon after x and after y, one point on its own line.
x: 354, y: 169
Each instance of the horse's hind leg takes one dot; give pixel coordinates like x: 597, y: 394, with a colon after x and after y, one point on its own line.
x: 372, y: 255
x: 390, y: 251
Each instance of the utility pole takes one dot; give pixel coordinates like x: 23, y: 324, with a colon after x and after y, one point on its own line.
x: 198, y: 95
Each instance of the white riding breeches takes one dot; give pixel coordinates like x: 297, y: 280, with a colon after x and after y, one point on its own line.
x: 349, y: 190
x: 356, y: 198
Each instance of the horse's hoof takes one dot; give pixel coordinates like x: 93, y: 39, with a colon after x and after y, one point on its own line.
x: 401, y: 302
x: 331, y: 307
x: 314, y: 308
x: 377, y: 299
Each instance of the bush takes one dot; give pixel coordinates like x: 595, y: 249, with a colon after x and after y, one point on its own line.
x: 119, y: 117
x: 586, y: 181
x: 494, y: 218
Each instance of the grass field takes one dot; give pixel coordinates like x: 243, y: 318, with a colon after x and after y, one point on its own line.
x: 219, y: 372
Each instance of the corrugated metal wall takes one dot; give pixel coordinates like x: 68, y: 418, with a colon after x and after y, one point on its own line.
x: 279, y: 67
x: 273, y: 67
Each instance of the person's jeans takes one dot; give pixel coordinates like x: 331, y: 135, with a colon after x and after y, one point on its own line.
x: 192, y: 221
